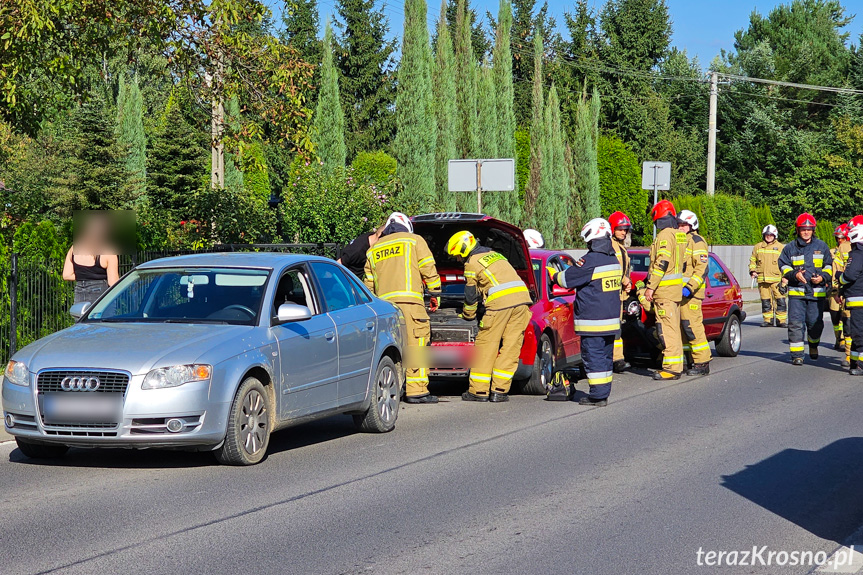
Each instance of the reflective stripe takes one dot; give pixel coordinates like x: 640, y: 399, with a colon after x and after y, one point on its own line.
x: 657, y: 273
x: 842, y: 280
x: 687, y: 348
x: 699, y: 253
x: 433, y: 285
x: 828, y: 269
x: 503, y: 374
x: 854, y: 355
x: 671, y: 279
x: 765, y: 251
x: 796, y: 346
x: 813, y: 341
x: 856, y: 301
x: 701, y: 346
x: 599, y: 377
x: 618, y: 343
x: 672, y: 360
x: 768, y: 279
x: 786, y: 269
x: 470, y: 306
x: 410, y: 294
x: 837, y: 328
x: 792, y: 291
x: 490, y: 277
x: 482, y: 377
x: 609, y: 271
x: 819, y: 292
x: 797, y: 260
x: 502, y: 290
x: 425, y: 261
x: 469, y: 274
x: 597, y: 324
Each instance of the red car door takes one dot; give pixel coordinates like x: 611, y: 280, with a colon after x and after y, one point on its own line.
x: 716, y: 301
x: 562, y: 312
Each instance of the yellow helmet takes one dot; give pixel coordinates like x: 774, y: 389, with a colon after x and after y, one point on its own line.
x: 461, y: 244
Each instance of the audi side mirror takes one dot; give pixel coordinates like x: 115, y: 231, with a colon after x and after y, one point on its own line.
x: 79, y: 309
x: 290, y: 312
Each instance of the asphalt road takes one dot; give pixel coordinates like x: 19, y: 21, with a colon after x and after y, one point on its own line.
x: 759, y: 453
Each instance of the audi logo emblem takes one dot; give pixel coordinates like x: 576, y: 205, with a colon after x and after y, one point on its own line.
x: 80, y: 384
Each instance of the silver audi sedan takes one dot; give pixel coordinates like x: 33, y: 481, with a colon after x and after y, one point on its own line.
x: 209, y: 352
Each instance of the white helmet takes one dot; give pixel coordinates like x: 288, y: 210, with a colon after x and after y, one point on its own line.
x: 771, y: 230
x: 400, y: 218
x: 596, y: 228
x: 534, y: 239
x: 687, y: 217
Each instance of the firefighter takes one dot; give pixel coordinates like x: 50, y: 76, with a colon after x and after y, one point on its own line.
x: 490, y: 279
x: 851, y: 282
x: 691, y: 317
x: 665, y: 287
x: 596, y: 278
x: 839, y: 315
x: 534, y: 239
x: 763, y: 267
x: 808, y: 266
x: 620, y: 226
x: 396, y: 267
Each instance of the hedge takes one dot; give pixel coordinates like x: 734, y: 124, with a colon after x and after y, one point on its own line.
x: 620, y: 184
x: 726, y: 219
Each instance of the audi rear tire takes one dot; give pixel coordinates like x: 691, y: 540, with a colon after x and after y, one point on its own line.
x: 383, y: 409
x: 249, y: 425
x: 35, y: 450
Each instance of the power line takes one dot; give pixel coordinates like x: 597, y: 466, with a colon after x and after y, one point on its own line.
x: 791, y: 84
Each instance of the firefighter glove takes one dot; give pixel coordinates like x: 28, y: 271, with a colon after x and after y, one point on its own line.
x: 687, y: 292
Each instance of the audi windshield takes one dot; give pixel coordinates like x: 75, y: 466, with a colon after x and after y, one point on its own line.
x: 184, y: 295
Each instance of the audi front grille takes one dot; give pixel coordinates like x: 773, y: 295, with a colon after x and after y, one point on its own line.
x: 109, y: 381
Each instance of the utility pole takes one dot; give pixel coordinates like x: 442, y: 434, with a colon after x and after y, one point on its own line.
x: 711, y: 136
x: 217, y: 128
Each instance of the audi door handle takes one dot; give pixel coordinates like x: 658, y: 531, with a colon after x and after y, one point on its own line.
x: 330, y: 335
x: 370, y: 326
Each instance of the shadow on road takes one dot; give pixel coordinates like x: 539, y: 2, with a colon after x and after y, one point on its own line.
x: 816, y: 490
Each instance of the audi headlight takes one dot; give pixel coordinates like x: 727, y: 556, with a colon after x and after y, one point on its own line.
x: 633, y: 308
x: 16, y: 372
x: 176, y: 375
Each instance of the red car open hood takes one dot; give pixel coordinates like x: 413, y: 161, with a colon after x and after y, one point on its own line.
x: 504, y: 238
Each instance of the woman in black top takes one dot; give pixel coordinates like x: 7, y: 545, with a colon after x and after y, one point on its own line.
x: 93, y: 272
x: 354, y: 254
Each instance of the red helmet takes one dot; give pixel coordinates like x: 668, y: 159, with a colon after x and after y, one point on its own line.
x: 662, y: 209
x: 805, y: 220
x: 841, y: 231
x: 619, y: 220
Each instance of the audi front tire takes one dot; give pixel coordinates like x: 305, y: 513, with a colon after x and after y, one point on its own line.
x: 249, y: 426
x: 41, y: 450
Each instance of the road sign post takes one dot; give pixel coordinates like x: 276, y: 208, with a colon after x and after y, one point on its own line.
x: 656, y: 176
x: 489, y: 175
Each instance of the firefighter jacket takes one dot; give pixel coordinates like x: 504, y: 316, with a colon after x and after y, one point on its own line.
x: 491, y: 279
x: 765, y: 262
x: 840, y: 258
x: 667, y: 257
x: 695, y: 268
x: 814, y: 259
x: 851, y: 279
x: 398, y: 265
x: 596, y: 277
x: 623, y: 260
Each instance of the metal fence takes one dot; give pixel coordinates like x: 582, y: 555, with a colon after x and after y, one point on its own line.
x: 35, y: 300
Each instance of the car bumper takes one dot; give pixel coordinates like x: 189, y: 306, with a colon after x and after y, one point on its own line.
x: 199, y: 422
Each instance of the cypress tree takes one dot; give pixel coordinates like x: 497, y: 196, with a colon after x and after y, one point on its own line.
x: 546, y: 206
x: 466, y: 80
x: 233, y: 174
x: 366, y: 79
x: 130, y: 130
x: 329, y: 122
x: 561, y: 192
x: 508, y: 203
x: 479, y: 40
x: 415, y: 135
x: 537, y: 130
x: 584, y: 157
x: 444, y: 94
x: 487, y: 132
x: 177, y: 165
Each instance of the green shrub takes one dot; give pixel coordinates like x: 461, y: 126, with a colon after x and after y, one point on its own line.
x: 725, y: 219
x: 824, y: 231
x: 620, y: 185
x: 377, y: 168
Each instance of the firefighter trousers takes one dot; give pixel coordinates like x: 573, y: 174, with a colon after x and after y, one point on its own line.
x: 840, y: 317
x: 496, y: 350
x: 668, y: 331
x: 418, y: 335
x: 855, y: 328
x: 618, y: 342
x: 805, y: 316
x: 597, y: 352
x: 692, y: 330
x: 772, y: 303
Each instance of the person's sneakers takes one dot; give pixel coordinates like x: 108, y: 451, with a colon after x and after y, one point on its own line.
x: 699, y: 369
x: 593, y: 402
x: 846, y: 362
x: 855, y: 371
x: 468, y: 396
x: 796, y: 361
x: 766, y: 324
x: 621, y: 365
x: 427, y: 398
x: 663, y: 375
x: 496, y: 397
x: 813, y: 351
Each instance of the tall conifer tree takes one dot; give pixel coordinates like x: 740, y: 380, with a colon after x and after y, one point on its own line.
x: 415, y: 134
x: 584, y: 157
x: 546, y: 206
x: 466, y: 80
x: 487, y: 133
x: 508, y: 203
x: 130, y: 131
x: 537, y: 130
x: 444, y: 94
x: 561, y: 192
x: 329, y: 120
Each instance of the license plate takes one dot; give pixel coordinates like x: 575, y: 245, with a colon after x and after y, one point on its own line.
x: 80, y: 407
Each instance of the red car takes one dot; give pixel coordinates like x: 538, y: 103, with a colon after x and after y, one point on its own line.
x: 722, y: 309
x: 549, y: 341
